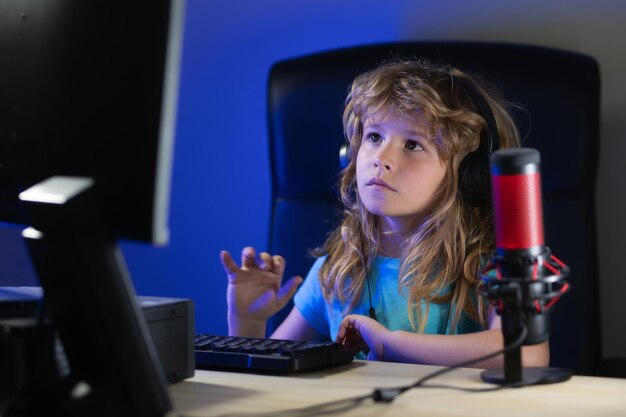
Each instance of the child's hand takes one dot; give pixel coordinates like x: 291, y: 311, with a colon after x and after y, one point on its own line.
x: 361, y: 333
x: 254, y: 291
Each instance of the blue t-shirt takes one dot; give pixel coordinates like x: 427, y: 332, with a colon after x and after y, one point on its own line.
x: 390, y: 303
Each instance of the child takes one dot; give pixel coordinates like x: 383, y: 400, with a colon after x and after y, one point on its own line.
x: 410, y: 243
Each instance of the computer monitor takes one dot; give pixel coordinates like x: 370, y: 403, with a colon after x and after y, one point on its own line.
x: 88, y: 99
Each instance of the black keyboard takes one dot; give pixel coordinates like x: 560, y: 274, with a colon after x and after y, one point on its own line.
x: 267, y: 355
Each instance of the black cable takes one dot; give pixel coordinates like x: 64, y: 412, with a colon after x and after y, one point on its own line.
x: 445, y: 329
x: 387, y: 395
x: 331, y: 407
x: 372, y: 311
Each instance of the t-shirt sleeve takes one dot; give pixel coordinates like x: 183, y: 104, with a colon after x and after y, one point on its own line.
x: 310, y: 302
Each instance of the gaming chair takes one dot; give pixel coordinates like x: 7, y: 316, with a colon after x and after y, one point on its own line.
x: 559, y: 92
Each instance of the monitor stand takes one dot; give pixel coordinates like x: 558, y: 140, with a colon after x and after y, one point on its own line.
x: 112, y: 366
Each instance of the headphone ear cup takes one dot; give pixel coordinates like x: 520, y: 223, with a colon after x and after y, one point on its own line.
x: 475, y: 180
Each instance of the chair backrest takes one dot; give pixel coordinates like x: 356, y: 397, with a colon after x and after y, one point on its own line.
x: 558, y: 89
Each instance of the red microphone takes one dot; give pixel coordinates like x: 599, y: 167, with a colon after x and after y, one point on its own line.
x: 521, y: 255
x: 516, y: 185
x: 523, y: 279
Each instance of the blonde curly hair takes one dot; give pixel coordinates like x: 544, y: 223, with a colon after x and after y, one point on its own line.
x: 452, y: 241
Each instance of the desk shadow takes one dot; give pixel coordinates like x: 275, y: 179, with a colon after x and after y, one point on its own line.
x: 306, y: 374
x: 326, y: 372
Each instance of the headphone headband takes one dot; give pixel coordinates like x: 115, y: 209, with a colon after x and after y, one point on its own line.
x: 474, y: 179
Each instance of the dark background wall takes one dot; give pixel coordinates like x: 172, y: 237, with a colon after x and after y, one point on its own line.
x: 220, y: 191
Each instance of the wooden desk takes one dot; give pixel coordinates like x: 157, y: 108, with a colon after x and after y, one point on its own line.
x: 212, y: 393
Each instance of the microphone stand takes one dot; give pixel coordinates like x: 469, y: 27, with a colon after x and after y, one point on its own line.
x: 511, y: 297
x: 516, y: 301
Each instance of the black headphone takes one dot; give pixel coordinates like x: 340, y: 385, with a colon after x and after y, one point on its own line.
x: 474, y: 179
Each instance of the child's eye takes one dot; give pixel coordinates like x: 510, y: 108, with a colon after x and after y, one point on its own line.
x: 413, y: 145
x: 373, y: 137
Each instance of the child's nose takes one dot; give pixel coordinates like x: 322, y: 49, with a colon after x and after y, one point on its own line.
x: 381, y: 165
x: 384, y: 158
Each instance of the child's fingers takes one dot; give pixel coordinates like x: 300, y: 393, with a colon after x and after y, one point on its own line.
x: 345, y: 328
x: 228, y: 263
x: 267, y: 263
x: 247, y: 257
x: 278, y: 265
x: 288, y: 290
x: 360, y: 323
x: 351, y: 338
x: 351, y: 320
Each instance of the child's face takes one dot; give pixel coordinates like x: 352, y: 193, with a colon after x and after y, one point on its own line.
x: 398, y: 168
